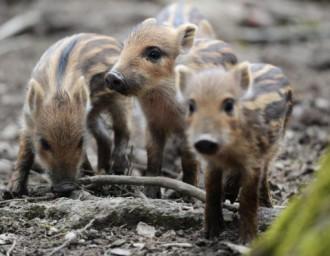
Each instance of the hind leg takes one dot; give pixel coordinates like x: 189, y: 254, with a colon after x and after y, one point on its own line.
x: 86, y: 167
x: 265, y: 198
x: 190, y: 165
x: 232, y: 186
x: 97, y: 128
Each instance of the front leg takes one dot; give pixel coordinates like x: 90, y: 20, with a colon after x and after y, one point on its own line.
x: 155, y: 148
x: 265, y: 198
x: 19, y: 179
x: 249, y: 205
x: 120, y: 113
x: 214, y: 222
x: 190, y: 165
x: 87, y: 169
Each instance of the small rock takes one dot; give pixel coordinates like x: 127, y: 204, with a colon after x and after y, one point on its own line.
x: 10, y: 132
x: 6, y: 238
x: 8, y: 151
x: 71, y: 236
x: 139, y: 245
x: 146, y: 230
x: 241, y: 249
x: 119, y: 252
x: 117, y: 243
x: 322, y: 104
x: 52, y: 231
x: 169, y: 234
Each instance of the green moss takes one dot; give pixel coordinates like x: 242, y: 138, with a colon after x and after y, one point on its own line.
x: 304, y: 227
x: 55, y: 214
x: 35, y: 211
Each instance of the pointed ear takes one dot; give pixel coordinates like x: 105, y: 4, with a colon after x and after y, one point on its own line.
x: 35, y: 96
x: 242, y: 73
x: 182, y: 74
x: 186, y: 35
x: 205, y: 29
x: 149, y: 21
x: 80, y: 93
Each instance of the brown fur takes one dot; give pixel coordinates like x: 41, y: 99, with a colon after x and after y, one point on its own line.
x: 153, y: 83
x: 65, y: 97
x: 181, y: 13
x: 244, y: 139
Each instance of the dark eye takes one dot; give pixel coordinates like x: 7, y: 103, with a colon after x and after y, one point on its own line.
x: 153, y: 54
x: 192, y: 106
x: 44, y: 144
x: 228, y: 105
x: 81, y: 142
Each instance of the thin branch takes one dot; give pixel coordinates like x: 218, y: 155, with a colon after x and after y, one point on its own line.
x: 19, y: 23
x: 29, y: 199
x: 73, y: 236
x: 176, y: 185
x: 11, y: 248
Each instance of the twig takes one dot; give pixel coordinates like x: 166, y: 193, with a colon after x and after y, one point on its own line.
x: 176, y: 185
x: 184, y: 245
x: 70, y: 237
x: 11, y: 248
x: 29, y: 199
x: 19, y: 23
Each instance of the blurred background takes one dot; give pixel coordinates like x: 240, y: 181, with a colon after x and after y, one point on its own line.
x: 294, y: 35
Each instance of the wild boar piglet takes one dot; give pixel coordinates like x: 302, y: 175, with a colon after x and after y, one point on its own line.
x: 65, y: 97
x: 236, y: 121
x: 145, y: 69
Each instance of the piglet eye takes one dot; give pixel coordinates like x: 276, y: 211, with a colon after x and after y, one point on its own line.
x: 153, y: 54
x: 44, y: 144
x: 192, y: 106
x: 228, y: 105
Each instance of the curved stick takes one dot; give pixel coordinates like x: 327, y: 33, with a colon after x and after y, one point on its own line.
x: 176, y: 185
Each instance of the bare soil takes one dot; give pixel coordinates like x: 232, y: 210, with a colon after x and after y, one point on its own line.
x: 37, y: 228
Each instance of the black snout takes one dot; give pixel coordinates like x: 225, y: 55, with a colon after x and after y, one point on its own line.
x: 206, y: 147
x: 64, y: 188
x: 115, y: 81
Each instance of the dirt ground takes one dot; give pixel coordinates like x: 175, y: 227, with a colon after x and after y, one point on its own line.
x: 291, y: 34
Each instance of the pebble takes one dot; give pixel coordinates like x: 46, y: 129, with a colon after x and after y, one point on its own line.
x: 119, y: 252
x: 145, y: 230
x: 8, y: 151
x: 10, y: 132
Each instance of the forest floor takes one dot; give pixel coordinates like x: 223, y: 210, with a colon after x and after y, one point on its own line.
x: 291, y: 34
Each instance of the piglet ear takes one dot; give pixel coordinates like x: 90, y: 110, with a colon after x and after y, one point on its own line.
x: 35, y: 96
x: 205, y: 29
x: 80, y: 93
x: 149, y: 21
x: 186, y: 35
x: 182, y: 74
x: 242, y: 73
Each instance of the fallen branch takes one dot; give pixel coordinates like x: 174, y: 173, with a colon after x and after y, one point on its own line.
x: 19, y: 23
x: 29, y: 199
x: 11, y: 248
x: 176, y: 185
